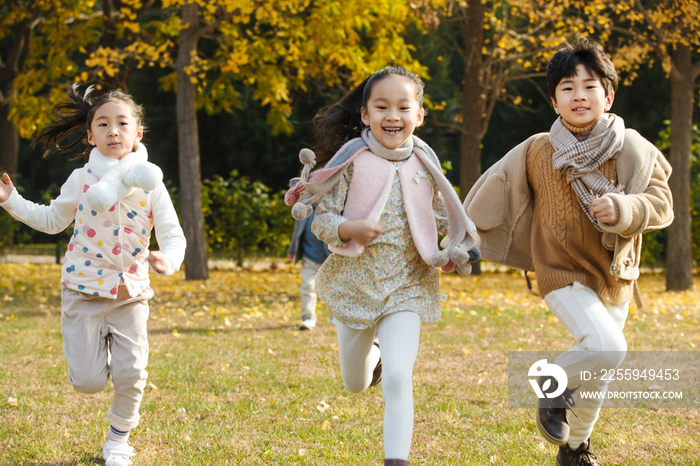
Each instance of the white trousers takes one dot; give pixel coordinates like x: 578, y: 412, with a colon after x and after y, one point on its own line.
x: 399, y: 336
x: 308, y: 289
x: 596, y: 326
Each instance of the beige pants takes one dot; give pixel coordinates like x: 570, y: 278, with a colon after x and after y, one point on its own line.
x: 103, y: 337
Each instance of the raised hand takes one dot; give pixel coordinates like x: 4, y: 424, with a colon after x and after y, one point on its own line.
x: 362, y: 231
x: 6, y: 187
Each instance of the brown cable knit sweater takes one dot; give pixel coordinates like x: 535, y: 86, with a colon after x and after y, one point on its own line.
x: 566, y: 247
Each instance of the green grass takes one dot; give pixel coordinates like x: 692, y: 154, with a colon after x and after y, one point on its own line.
x: 233, y: 382
x: 48, y: 249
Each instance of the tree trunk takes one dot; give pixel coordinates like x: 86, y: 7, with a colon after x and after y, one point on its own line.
x: 679, y: 266
x: 9, y: 143
x: 188, y: 152
x: 473, y: 104
x: 9, y: 136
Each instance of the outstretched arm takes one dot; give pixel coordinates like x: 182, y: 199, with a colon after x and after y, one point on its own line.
x: 6, y: 187
x: 52, y: 218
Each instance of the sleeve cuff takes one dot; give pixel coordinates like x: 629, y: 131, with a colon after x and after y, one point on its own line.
x: 10, y: 199
x: 336, y: 240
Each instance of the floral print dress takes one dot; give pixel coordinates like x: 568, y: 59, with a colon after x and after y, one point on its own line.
x: 389, y: 275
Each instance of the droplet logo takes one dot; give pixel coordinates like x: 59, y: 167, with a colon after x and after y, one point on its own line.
x: 544, y: 371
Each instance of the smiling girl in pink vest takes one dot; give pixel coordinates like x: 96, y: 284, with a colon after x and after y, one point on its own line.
x: 382, y: 202
x: 115, y: 201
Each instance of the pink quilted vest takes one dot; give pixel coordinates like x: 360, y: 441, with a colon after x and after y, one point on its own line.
x: 369, y: 191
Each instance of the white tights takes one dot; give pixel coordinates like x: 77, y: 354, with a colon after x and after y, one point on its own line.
x: 399, y: 336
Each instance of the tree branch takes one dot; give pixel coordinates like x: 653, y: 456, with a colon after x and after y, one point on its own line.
x: 654, y: 27
x: 136, y: 56
x: 447, y: 125
x: 510, y: 79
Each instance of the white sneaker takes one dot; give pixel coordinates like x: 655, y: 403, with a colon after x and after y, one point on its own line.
x: 307, y: 324
x: 117, y: 454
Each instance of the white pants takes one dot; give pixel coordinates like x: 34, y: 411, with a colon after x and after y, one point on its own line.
x: 399, y: 336
x: 308, y: 288
x: 596, y: 326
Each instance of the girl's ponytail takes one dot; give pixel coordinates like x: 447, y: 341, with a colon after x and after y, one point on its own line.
x: 339, y: 123
x: 73, y: 116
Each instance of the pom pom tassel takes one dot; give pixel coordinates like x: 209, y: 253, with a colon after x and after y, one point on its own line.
x: 464, y: 269
x: 440, y: 259
x: 300, y: 211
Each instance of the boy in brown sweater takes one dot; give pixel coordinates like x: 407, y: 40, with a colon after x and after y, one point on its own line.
x: 571, y: 205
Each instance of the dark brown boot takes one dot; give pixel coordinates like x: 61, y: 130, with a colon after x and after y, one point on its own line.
x: 582, y: 456
x: 396, y: 463
x: 377, y: 374
x: 551, y: 416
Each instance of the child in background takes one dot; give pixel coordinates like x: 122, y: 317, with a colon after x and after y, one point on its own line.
x: 383, y: 201
x: 115, y: 201
x: 577, y: 200
x: 305, y: 247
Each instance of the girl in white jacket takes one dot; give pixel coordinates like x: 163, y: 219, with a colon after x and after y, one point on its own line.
x: 115, y: 201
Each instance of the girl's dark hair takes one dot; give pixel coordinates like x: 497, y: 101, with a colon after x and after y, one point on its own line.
x: 342, y: 121
x: 75, y: 117
x: 587, y: 53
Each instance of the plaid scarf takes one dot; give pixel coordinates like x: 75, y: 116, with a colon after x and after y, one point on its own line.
x: 580, y: 159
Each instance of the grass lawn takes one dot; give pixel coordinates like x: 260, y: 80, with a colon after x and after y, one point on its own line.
x: 233, y: 382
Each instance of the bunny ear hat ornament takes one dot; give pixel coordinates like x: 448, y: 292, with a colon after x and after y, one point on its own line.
x: 118, y: 178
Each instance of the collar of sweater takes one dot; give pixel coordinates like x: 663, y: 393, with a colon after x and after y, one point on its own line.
x: 100, y: 164
x: 579, y: 130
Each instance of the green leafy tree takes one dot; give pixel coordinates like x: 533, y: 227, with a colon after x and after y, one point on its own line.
x: 40, y: 41
x: 498, y: 42
x: 242, y: 217
x: 274, y: 48
x: 655, y: 245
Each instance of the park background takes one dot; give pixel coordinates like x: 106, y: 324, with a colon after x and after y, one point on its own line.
x: 230, y: 89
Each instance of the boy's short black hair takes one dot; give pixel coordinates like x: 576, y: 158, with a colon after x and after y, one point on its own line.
x: 587, y: 53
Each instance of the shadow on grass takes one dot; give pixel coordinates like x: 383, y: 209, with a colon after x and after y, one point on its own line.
x: 86, y: 459
x: 206, y: 331
x: 30, y: 313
